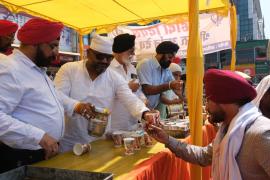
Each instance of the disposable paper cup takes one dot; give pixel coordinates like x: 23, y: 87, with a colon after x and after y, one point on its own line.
x: 148, y: 140
x: 117, y: 137
x: 80, y: 149
x: 129, y: 146
x: 137, y: 142
x: 154, y: 117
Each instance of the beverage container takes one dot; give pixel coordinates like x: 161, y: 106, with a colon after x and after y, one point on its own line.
x: 129, y: 145
x: 147, y: 140
x: 153, y: 117
x: 137, y: 141
x: 97, y: 125
x: 117, y: 137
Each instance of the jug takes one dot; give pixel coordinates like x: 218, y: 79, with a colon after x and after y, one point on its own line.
x: 97, y: 125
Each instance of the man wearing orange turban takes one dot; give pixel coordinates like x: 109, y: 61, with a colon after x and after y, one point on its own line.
x: 7, y: 32
x: 43, y: 37
x: 31, y: 110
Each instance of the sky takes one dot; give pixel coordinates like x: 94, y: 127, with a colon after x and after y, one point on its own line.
x: 265, y: 6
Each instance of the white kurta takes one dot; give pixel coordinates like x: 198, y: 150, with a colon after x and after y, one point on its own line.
x: 121, y: 117
x: 73, y: 80
x: 29, y: 104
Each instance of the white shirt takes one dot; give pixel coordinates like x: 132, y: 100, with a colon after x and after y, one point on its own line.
x: 73, y: 80
x: 121, y: 118
x: 29, y: 104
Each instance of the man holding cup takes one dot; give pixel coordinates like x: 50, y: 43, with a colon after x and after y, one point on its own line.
x: 31, y: 110
x: 123, y: 50
x: 241, y: 148
x: 91, y: 81
x: 155, y: 76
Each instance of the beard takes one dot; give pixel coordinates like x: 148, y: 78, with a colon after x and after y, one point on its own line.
x: 164, y: 63
x: 127, y: 60
x: 5, y: 48
x: 42, y: 60
x: 217, y: 117
x: 100, y: 67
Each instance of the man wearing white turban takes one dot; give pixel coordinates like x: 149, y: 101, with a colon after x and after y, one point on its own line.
x: 91, y: 81
x: 170, y: 103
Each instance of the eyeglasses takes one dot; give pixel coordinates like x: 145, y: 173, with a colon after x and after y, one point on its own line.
x: 101, y: 56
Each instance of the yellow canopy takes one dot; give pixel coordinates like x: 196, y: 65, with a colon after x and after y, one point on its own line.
x: 85, y: 15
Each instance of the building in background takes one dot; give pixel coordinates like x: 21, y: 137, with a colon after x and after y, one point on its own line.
x: 250, y: 20
x: 252, y: 58
x: 252, y: 50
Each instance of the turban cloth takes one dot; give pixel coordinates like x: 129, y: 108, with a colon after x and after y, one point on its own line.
x: 175, y: 67
x: 38, y: 31
x: 227, y: 87
x: 7, y: 27
x: 167, y: 47
x: 102, y: 44
x: 123, y: 42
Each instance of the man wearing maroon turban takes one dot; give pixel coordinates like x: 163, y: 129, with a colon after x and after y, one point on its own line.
x: 7, y: 32
x: 241, y: 147
x: 31, y: 110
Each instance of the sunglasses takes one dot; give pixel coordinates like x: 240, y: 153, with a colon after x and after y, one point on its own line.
x: 101, y: 56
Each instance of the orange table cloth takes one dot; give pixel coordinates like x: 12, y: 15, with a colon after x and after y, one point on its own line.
x: 165, y: 165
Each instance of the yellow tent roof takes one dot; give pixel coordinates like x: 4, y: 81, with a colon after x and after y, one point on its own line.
x: 85, y: 15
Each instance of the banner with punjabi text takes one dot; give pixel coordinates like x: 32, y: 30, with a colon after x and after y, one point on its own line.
x: 214, y: 31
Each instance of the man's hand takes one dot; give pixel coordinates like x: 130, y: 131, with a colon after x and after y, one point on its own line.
x: 158, y: 134
x: 86, y: 110
x: 177, y: 101
x: 50, y: 145
x: 176, y: 85
x: 133, y: 85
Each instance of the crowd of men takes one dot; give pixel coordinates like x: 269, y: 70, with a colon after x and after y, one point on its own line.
x: 40, y: 118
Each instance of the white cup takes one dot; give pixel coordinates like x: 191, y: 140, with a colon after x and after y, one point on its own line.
x: 129, y: 145
x: 117, y: 137
x: 80, y: 149
x: 148, y: 140
x: 137, y: 141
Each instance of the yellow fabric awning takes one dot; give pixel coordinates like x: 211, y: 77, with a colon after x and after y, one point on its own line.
x: 85, y: 15
x: 233, y: 34
x: 195, y: 72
